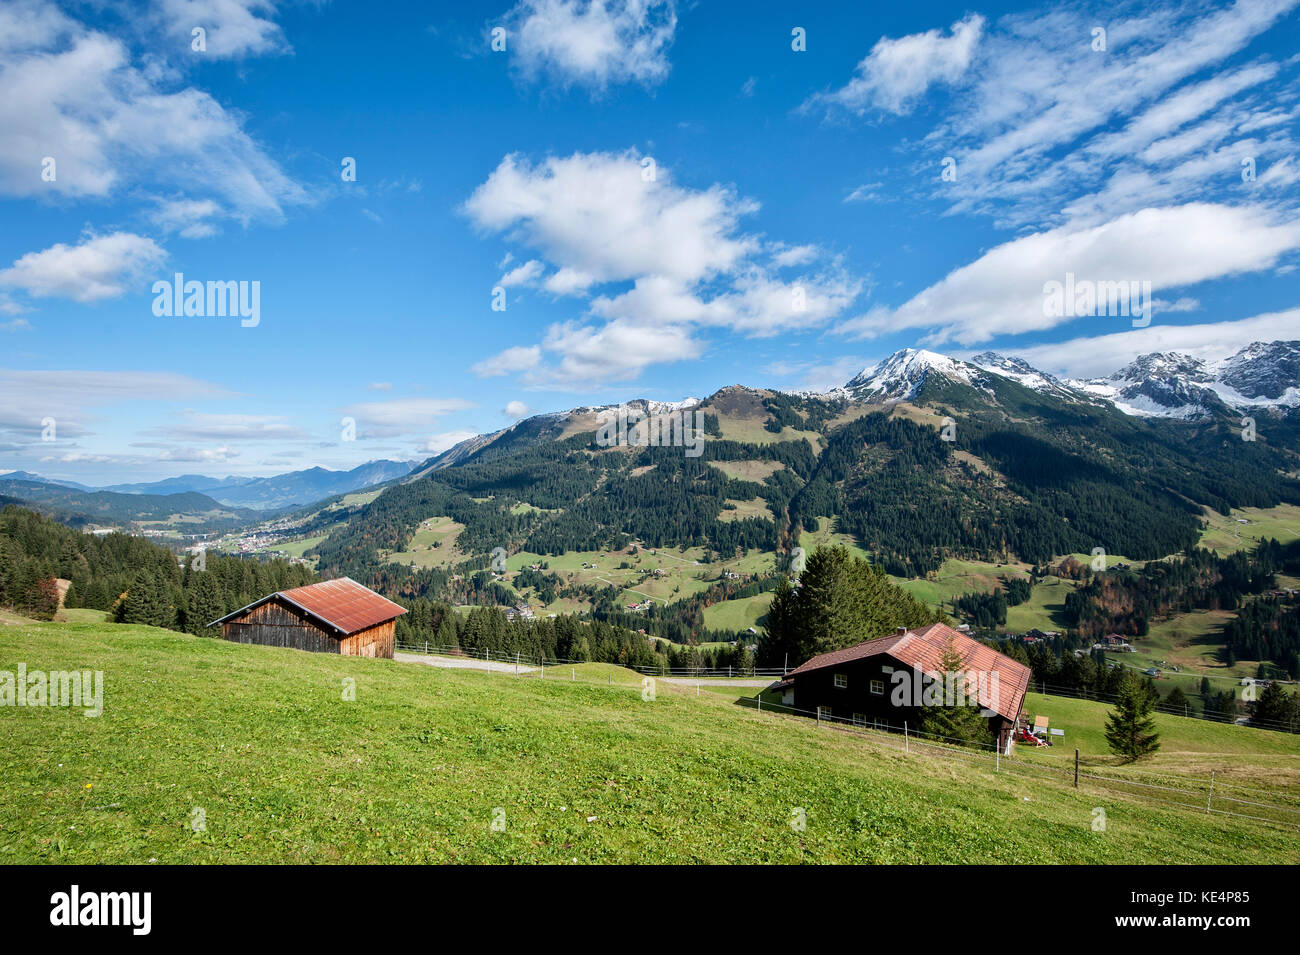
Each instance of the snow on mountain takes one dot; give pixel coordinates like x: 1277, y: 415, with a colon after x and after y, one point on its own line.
x: 900, y: 376
x: 1263, y: 375
x: 1020, y: 371
x: 1172, y: 385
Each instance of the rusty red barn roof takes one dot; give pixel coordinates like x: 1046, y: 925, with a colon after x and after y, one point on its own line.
x: 923, y: 647
x: 342, y: 604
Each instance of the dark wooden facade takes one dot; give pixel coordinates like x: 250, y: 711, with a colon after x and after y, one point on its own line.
x: 280, y: 624
x: 816, y: 692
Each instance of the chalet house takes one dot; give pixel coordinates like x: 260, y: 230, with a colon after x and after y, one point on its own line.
x: 1113, y: 641
x: 857, y: 684
x: 334, y: 616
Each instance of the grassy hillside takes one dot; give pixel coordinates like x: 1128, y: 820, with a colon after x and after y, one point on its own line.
x: 285, y: 770
x: 1188, y: 746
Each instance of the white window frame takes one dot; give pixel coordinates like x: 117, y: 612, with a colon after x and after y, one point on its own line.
x: 860, y: 719
x: 841, y: 681
x: 824, y: 715
x: 877, y: 683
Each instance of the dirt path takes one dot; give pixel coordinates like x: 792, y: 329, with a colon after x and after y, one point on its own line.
x: 462, y: 663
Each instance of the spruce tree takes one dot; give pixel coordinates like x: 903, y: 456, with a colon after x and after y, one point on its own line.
x: 1275, y: 708
x: 1130, y: 730
x: 956, y: 720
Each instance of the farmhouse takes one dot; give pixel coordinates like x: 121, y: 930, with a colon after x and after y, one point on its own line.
x: 334, y: 616
x: 862, y: 684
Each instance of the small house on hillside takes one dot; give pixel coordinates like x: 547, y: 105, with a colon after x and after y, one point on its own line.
x: 334, y: 616
x: 857, y: 684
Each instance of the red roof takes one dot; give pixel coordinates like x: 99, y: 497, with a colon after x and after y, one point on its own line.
x: 342, y: 604
x: 922, y: 649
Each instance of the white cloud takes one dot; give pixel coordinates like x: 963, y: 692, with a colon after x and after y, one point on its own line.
x: 867, y: 192
x: 212, y: 427
x: 597, y: 215
x: 603, y: 220
x: 199, y: 455
x: 515, y: 358
x: 1001, y: 293
x: 187, y: 217
x: 380, y: 386
x: 788, y: 256
x: 401, y: 416
x: 72, y: 94
x: 593, y: 43
x: 100, y: 267
x: 615, y: 351
x: 438, y: 443
x: 71, y: 396
x: 818, y: 376
x: 1089, y: 357
x: 516, y: 410
x: 234, y: 28
x: 525, y: 274
x: 896, y: 73
x: 1046, y: 129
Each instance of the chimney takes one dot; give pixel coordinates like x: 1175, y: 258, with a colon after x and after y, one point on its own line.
x: 901, y: 631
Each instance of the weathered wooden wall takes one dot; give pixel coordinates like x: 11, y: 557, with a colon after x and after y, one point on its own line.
x: 376, y: 641
x: 274, y: 625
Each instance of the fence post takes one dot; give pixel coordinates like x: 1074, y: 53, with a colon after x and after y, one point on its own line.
x: 426, y: 648
x: 904, y: 736
x: 516, y: 663
x: 1076, y: 769
x: 1209, y: 800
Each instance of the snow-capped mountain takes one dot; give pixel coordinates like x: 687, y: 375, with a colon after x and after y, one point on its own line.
x: 1264, y: 372
x: 1161, y: 384
x: 1261, y: 376
x: 1019, y: 370
x: 901, y: 376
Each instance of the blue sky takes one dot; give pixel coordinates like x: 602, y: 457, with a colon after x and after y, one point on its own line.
x: 669, y: 195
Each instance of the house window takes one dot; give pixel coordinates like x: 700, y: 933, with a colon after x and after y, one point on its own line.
x: 841, y: 680
x: 878, y: 687
x: 823, y: 712
x: 859, y: 719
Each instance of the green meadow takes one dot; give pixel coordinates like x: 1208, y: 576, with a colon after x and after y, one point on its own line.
x: 208, y: 751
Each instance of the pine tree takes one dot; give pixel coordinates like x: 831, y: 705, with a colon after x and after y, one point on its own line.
x: 1130, y: 730
x: 204, y: 604
x: 1176, y: 702
x: 956, y: 720
x: 841, y: 601
x: 1275, y: 708
x: 146, y: 601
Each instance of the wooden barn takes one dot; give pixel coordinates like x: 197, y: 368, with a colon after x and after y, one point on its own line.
x: 334, y: 616
x: 857, y: 684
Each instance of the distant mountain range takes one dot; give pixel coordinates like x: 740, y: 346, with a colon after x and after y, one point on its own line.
x: 292, y: 489
x: 1262, y: 377
x: 919, y: 458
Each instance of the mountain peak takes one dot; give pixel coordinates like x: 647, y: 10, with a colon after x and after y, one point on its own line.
x: 901, y: 376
